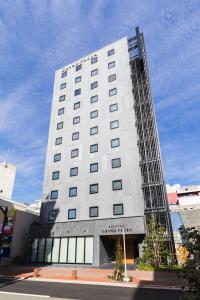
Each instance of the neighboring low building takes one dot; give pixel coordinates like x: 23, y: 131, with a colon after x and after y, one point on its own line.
x: 14, y: 229
x: 7, y: 179
x: 184, y: 205
x: 36, y: 205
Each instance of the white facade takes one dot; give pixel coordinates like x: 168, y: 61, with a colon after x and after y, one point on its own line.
x: 7, y: 179
x: 129, y: 173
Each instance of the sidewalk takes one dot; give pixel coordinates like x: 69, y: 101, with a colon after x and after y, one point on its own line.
x: 140, y: 278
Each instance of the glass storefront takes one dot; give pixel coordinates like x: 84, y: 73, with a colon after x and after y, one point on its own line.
x: 71, y: 250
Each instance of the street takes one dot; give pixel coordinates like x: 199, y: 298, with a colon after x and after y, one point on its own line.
x: 44, y: 290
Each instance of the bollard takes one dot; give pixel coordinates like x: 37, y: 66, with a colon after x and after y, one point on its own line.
x: 36, y: 272
x: 74, y: 274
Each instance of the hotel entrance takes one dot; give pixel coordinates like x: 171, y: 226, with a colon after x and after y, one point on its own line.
x: 108, y: 248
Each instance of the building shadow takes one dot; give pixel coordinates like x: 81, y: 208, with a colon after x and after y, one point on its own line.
x: 159, y: 286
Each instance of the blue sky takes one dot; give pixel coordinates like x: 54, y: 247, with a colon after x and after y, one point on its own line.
x: 37, y: 37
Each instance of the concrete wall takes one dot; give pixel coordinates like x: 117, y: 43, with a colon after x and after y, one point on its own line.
x: 21, y: 228
x: 129, y: 173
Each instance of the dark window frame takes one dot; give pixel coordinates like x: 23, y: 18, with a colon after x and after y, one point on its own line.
x: 114, y: 122
x: 92, y: 129
x: 78, y: 67
x: 92, y: 185
x: 55, y: 197
x: 111, y: 52
x: 61, y: 111
x: 58, y: 139
x: 112, y: 105
x: 93, y: 145
x: 50, y: 212
x: 94, y: 111
x: 113, y: 184
x: 63, y: 74
x: 116, y: 139
x: 72, y: 169
x: 94, y: 164
x: 90, y: 209
x: 55, y: 155
x: 94, y: 97
x: 76, y: 118
x: 55, y: 172
x: 71, y: 210
x: 58, y: 124
x: 111, y: 64
x: 73, y: 139
x: 77, y: 92
x: 77, y: 103
x: 118, y: 214
x: 115, y: 159
x: 77, y: 149
x: 62, y: 98
x: 94, y: 60
x: 75, y: 189
x: 94, y: 85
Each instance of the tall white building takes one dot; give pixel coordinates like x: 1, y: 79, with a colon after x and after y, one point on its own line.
x: 95, y: 184
x: 7, y: 179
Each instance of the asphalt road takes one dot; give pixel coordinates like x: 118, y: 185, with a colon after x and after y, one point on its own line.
x: 79, y: 291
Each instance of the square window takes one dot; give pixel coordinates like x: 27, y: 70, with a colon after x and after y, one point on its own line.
x: 113, y: 107
x: 116, y: 163
x: 71, y: 213
x: 59, y: 125
x: 54, y: 194
x: 73, y: 191
x: 77, y: 79
x: 61, y: 111
x: 93, y: 148
x: 111, y: 78
x: 94, y: 188
x: 94, y: 72
x: 62, y: 98
x: 117, y: 185
x: 77, y: 92
x: 74, y: 153
x: 52, y: 215
x: 94, y: 211
x: 111, y: 64
x: 75, y: 136
x: 78, y: 67
x: 94, y: 85
x: 111, y: 52
x: 94, y: 130
x: 93, y: 167
x: 77, y: 105
x: 114, y: 124
x: 64, y: 74
x: 74, y: 171
x: 76, y: 120
x: 94, y: 60
x: 58, y: 141
x: 118, y: 209
x: 115, y: 143
x: 55, y: 175
x: 57, y: 157
x: 94, y: 99
x: 63, y: 86
x: 93, y: 114
x: 112, y: 92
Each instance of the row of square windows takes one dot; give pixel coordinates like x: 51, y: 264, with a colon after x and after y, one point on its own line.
x: 93, y: 130
x: 93, y: 189
x: 112, y: 107
x: 112, y: 92
x: 93, y: 148
x: 93, y: 61
x: 93, y: 114
x: 94, y: 167
x: 118, y: 209
x: 93, y: 84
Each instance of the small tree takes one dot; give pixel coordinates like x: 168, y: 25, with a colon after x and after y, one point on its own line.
x: 191, y: 270
x: 155, y: 250
x: 119, y: 267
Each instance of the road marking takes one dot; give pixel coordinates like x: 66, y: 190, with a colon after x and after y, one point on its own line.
x: 32, y: 295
